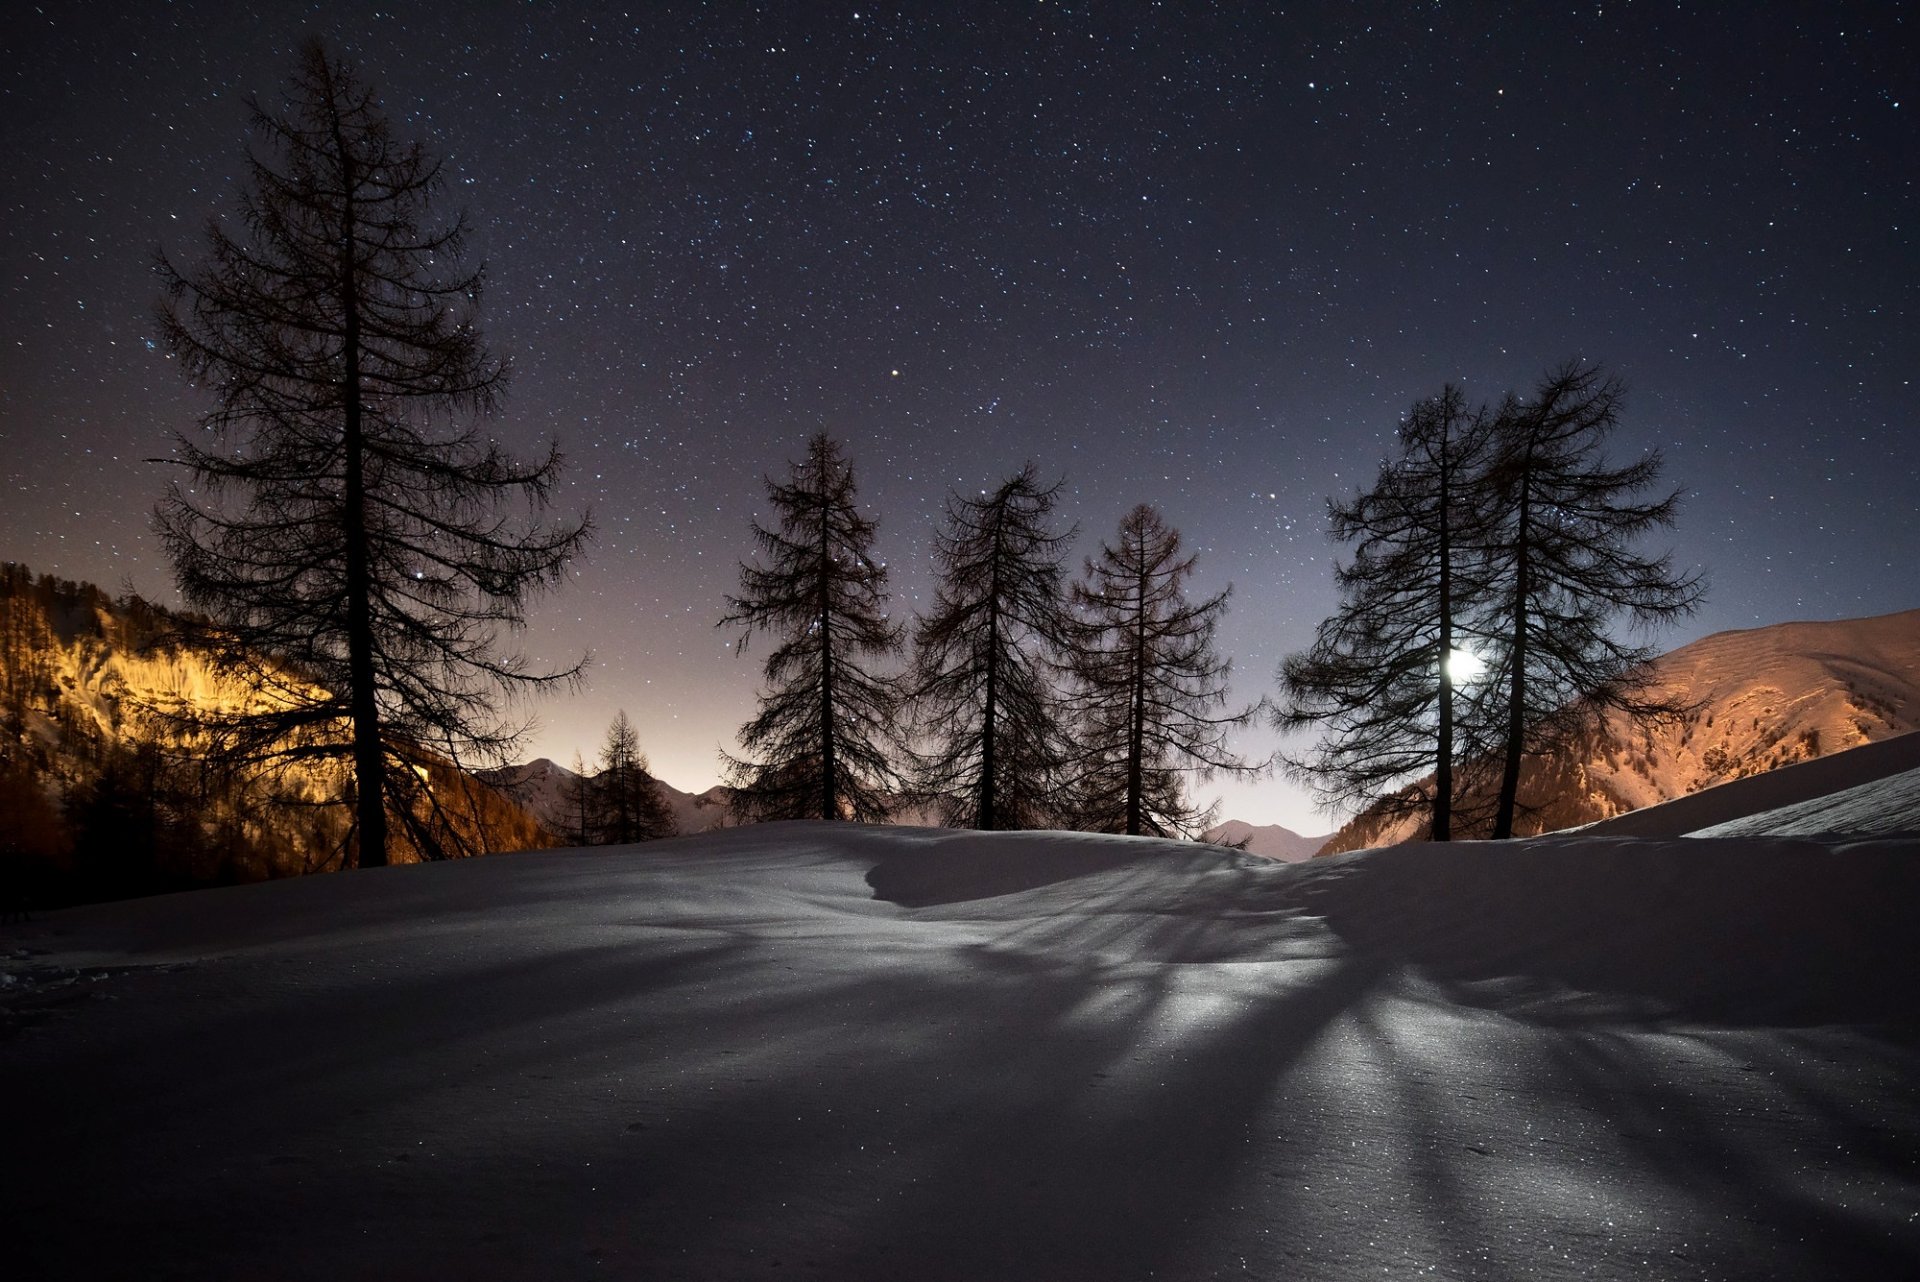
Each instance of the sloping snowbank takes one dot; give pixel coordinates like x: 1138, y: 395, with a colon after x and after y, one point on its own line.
x: 860, y: 1053
x: 1872, y: 804
x: 1884, y: 808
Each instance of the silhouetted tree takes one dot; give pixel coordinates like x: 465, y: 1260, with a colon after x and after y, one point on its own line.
x: 358, y: 547
x: 1380, y: 675
x: 1566, y: 567
x: 820, y: 747
x: 582, y: 804
x: 984, y: 660
x: 1150, y: 690
x: 631, y: 807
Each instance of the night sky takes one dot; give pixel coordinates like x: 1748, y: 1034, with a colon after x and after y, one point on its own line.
x: 1201, y: 256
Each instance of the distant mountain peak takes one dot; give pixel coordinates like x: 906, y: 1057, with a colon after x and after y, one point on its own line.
x: 1270, y: 840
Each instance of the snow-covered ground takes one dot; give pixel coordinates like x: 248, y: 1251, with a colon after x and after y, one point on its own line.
x: 826, y: 1051
x: 1858, y: 792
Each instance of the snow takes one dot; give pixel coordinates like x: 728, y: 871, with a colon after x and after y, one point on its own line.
x: 836, y: 1052
x: 1857, y: 791
x: 1883, y: 808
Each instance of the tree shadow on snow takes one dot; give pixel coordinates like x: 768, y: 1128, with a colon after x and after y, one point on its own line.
x: 1691, y: 930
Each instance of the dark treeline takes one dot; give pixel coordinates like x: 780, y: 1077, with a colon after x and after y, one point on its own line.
x: 1499, y: 538
x: 1021, y: 700
x: 1500, y: 535
x: 619, y: 802
x: 356, y: 543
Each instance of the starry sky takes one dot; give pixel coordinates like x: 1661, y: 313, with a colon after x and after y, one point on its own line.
x: 1198, y: 255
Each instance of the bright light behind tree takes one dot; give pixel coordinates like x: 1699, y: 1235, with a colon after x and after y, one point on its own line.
x: 1464, y: 665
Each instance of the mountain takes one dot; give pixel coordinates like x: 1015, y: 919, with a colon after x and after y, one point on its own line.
x: 545, y: 788
x: 107, y: 789
x: 1270, y: 841
x: 1766, y: 697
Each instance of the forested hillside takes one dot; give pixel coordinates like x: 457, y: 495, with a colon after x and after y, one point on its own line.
x: 109, y: 787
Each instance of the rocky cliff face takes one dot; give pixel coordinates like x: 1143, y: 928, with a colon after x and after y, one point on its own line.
x: 106, y: 789
x: 1767, y: 697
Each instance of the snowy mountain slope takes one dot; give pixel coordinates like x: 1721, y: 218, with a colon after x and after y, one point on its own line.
x: 1772, y: 696
x: 873, y: 1053
x: 1269, y: 840
x: 1768, y: 697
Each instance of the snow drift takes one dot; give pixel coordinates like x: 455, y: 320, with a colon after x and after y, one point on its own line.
x: 1852, y: 792
x: 810, y: 1050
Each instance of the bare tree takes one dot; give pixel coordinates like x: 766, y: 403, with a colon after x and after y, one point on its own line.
x: 358, y: 541
x: 1150, y: 690
x: 1381, y: 674
x: 822, y: 744
x: 581, y: 798
x: 630, y: 805
x: 1567, y: 569
x: 984, y: 660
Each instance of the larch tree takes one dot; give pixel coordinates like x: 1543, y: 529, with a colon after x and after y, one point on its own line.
x: 1566, y: 568
x: 823, y: 744
x: 1150, y: 690
x: 985, y: 655
x: 580, y: 795
x: 358, y: 538
x: 631, y: 807
x: 1383, y: 675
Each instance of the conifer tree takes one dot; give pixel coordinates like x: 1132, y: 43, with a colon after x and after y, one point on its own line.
x: 1150, y: 689
x: 985, y: 656
x: 1567, y: 568
x: 631, y: 807
x: 1381, y: 676
x: 357, y: 539
x: 822, y: 745
x: 580, y: 795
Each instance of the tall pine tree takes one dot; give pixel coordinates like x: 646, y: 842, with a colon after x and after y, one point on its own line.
x: 1150, y: 689
x: 1567, y: 567
x: 630, y: 807
x: 1382, y: 676
x: 984, y: 658
x: 822, y: 745
x: 358, y: 541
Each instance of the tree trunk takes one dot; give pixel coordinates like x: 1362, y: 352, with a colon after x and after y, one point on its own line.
x: 1517, y: 687
x: 369, y: 755
x: 1137, y: 707
x: 1443, y: 748
x: 987, y: 820
x: 829, y: 789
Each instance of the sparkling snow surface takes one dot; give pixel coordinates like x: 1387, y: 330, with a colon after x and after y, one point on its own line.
x: 824, y: 1051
